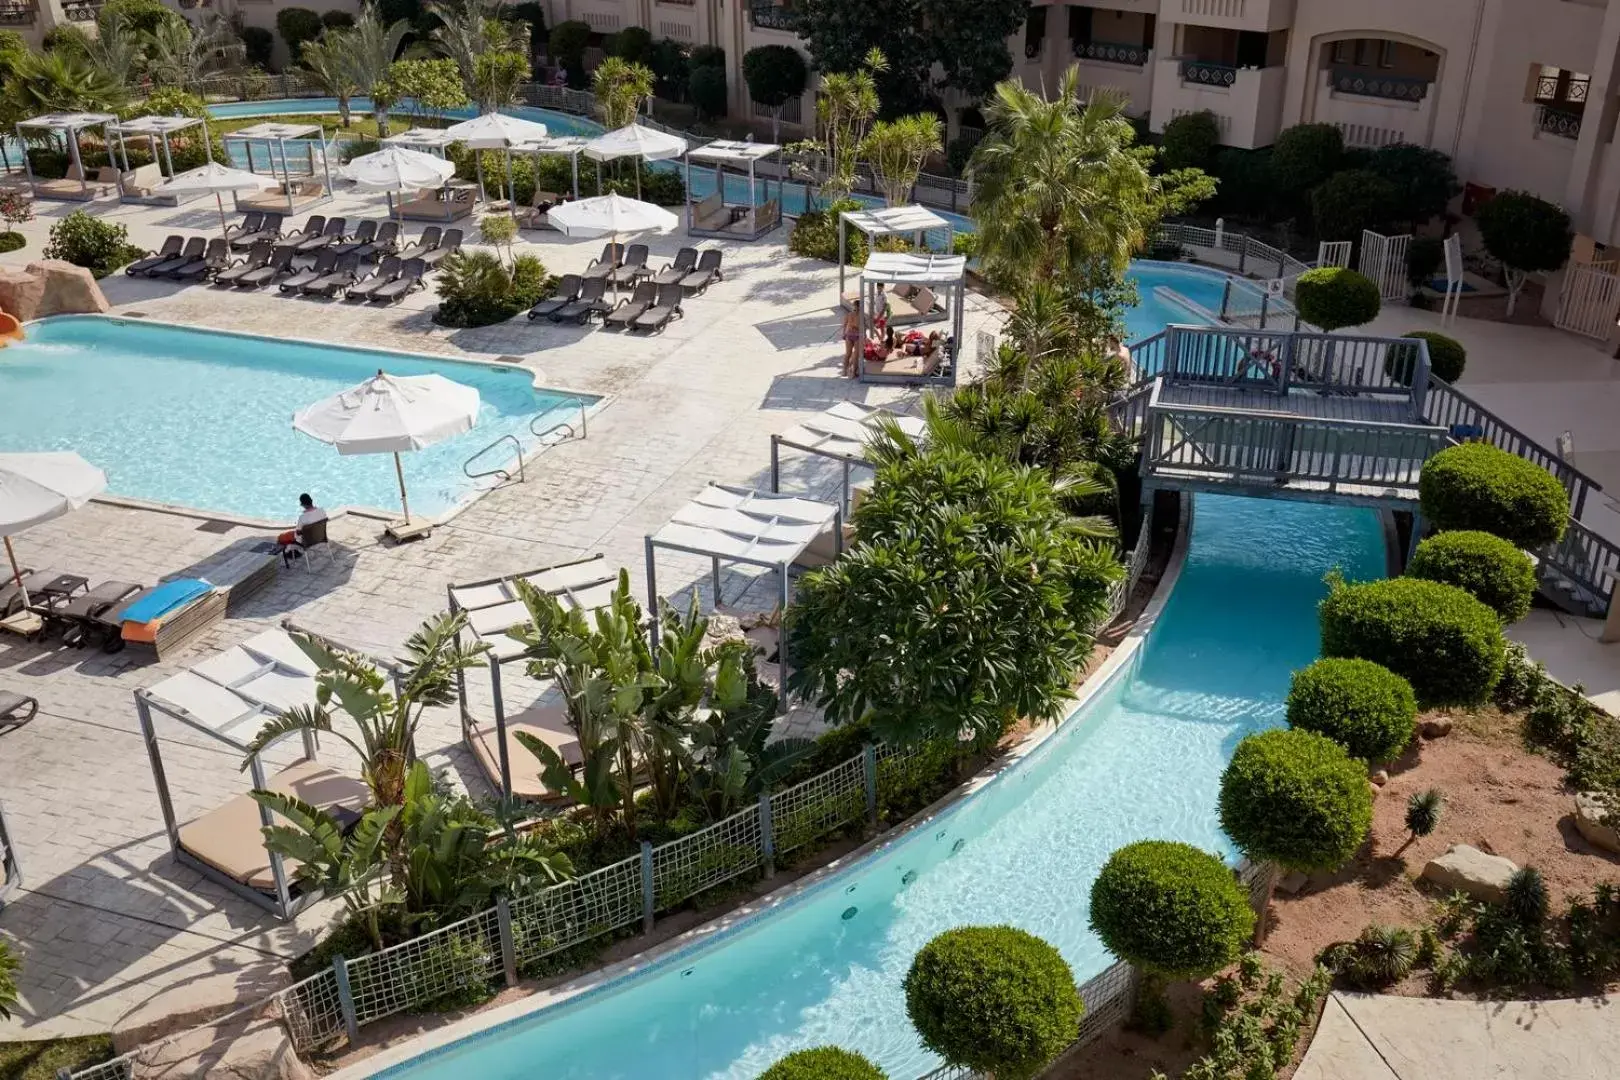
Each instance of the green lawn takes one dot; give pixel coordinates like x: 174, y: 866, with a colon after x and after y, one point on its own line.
x: 40, y: 1060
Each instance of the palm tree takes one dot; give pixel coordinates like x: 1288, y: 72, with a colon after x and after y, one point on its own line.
x: 897, y: 150
x: 464, y: 33
x: 328, y: 61
x: 621, y: 89
x: 349, y: 866
x: 372, y: 49
x: 845, y: 108
x: 178, y: 55
x: 62, y: 82
x: 116, y: 49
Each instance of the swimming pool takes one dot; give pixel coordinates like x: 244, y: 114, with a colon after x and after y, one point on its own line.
x: 203, y: 419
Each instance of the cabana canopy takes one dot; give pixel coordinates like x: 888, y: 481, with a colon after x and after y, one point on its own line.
x: 229, y: 697
x: 921, y: 288
x: 417, y: 138
x: 75, y: 185
x: 714, y: 216
x: 157, y: 130
x: 569, y: 146
x: 841, y: 434
x: 276, y: 137
x: 737, y: 524
x: 886, y: 221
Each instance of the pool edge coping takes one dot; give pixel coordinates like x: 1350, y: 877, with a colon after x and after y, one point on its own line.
x: 419, y: 1047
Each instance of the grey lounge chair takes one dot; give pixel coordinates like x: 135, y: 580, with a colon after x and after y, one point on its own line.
x: 424, y: 243
x: 257, y: 257
x: 592, y: 301
x: 193, y: 250
x: 311, y: 231
x: 675, y: 272
x: 634, y: 267
x: 345, y: 272
x: 386, y: 242
x: 82, y: 614
x: 628, y: 310
x: 270, y: 231
x: 450, y: 242
x: 252, y: 222
x: 364, y: 233
x: 707, y: 272
x: 657, y: 317
x: 10, y: 593
x: 567, y: 292
x: 409, y: 280
x: 16, y: 709
x: 611, y: 259
x: 325, y: 263
x: 280, y: 263
x: 170, y: 248
x: 215, y: 259
x: 330, y: 235
x: 386, y: 271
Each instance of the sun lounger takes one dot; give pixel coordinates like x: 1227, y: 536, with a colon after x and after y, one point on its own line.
x: 424, y: 243
x: 81, y: 615
x: 193, y: 250
x: 409, y: 280
x: 251, y: 223
x: 11, y: 595
x: 675, y: 272
x: 634, y: 267
x: 171, y: 248
x: 345, y: 272
x: 216, y: 258
x: 386, y: 242
x: 449, y: 243
x: 667, y: 307
x: 325, y: 263
x: 567, y: 292
x: 259, y: 256
x: 592, y: 301
x: 628, y: 310
x: 707, y: 272
x: 611, y: 259
x: 386, y: 271
x: 312, y: 230
x: 16, y: 709
x: 330, y: 235
x: 918, y: 306
x: 364, y: 234
x: 269, y: 232
x: 280, y: 262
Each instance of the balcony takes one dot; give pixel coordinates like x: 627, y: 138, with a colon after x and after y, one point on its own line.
x: 1374, y: 110
x: 774, y: 17
x: 82, y: 11
x: 1113, y: 52
x: 18, y: 13
x: 1262, y: 15
x: 1361, y: 83
x: 1247, y: 101
x: 1560, y: 123
x: 1205, y: 73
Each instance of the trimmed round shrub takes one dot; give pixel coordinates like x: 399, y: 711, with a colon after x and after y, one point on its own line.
x: 1492, y: 570
x: 1444, y: 642
x: 12, y: 241
x: 994, y: 999
x: 1190, y: 140
x: 1477, y: 486
x: 1424, y: 257
x: 1333, y: 297
x: 1364, y: 707
x: 1447, y: 358
x: 1170, y: 908
x: 823, y: 1063
x: 1297, y: 799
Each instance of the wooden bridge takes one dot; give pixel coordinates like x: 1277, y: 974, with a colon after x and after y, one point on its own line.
x: 1329, y: 418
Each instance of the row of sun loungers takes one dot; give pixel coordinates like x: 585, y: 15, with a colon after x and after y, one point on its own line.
x: 655, y: 298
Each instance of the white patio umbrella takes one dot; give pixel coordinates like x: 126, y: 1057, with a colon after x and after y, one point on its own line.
x: 34, y: 488
x: 610, y: 215
x: 496, y: 131
x: 634, y: 141
x: 218, y: 179
x: 390, y: 414
x: 397, y: 168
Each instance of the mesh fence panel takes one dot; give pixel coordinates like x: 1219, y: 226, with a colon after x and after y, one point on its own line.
x: 459, y: 957
x: 575, y: 911
x: 821, y: 804
x: 119, y: 1068
x: 312, y: 1011
x: 704, y: 859
x: 1108, y: 999
x: 1256, y: 878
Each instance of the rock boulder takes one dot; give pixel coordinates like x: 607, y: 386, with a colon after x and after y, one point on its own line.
x: 1482, y: 876
x: 68, y: 289
x: 1589, y: 811
x: 20, y: 292
x: 259, y: 1050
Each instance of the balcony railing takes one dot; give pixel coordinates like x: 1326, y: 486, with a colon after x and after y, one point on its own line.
x: 1375, y: 84
x: 18, y: 14
x: 774, y: 17
x: 1204, y: 73
x: 1112, y: 52
x: 1560, y: 123
x: 82, y: 12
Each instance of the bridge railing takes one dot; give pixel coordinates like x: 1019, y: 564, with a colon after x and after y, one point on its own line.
x: 1279, y: 361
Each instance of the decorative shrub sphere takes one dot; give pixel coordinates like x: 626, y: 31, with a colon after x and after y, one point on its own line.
x: 994, y: 999
x: 1364, y: 707
x: 1297, y: 799
x: 1333, y: 297
x: 1444, y: 642
x: 823, y: 1063
x: 1447, y: 357
x: 1489, y: 568
x: 1477, y: 486
x: 1170, y: 908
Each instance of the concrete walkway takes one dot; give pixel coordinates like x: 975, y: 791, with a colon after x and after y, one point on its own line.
x: 1371, y: 1037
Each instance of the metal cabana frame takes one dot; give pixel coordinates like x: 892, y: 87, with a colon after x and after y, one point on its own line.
x: 157, y: 130
x: 941, y: 277
x: 275, y: 137
x: 11, y: 875
x: 840, y: 434
x: 569, y: 146
x: 913, y: 221
x: 228, y: 697
x: 68, y: 126
x: 734, y: 524
x: 429, y: 141
x: 723, y: 218
x: 493, y: 608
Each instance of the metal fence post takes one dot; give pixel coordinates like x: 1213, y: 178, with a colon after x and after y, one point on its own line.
x: 1265, y: 300
x: 1243, y: 256
x: 767, y: 842
x: 503, y: 921
x: 647, y: 891
x: 869, y: 766
x: 1226, y: 298
x: 351, y: 1022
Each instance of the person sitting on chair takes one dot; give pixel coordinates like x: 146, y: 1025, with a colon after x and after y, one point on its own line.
x: 291, y: 542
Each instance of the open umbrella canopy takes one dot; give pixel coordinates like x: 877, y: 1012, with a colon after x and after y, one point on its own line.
x: 35, y: 488
x: 610, y: 215
x: 635, y: 141
x: 396, y: 168
x: 495, y: 131
x: 389, y: 414
x: 214, y: 177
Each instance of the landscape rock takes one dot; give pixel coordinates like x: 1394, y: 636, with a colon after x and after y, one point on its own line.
x: 260, y: 1050
x: 1291, y: 882
x: 1482, y: 876
x: 1380, y: 778
x: 722, y: 628
x: 1589, y: 811
x: 1436, y: 728
x: 193, y: 1002
x: 69, y: 289
x: 20, y: 292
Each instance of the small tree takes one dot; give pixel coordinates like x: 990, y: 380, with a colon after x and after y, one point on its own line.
x: 621, y: 90
x: 1364, y: 707
x: 633, y: 44
x: 994, y: 999
x: 337, y: 20
x: 1423, y: 813
x: 1490, y: 569
x: 823, y: 1063
x: 1333, y: 297
x: 776, y: 74
x: 1423, y: 179
x: 142, y: 16
x: 1305, y: 155
x: 897, y: 149
x: 1346, y: 203
x: 1424, y: 257
x: 431, y: 86
x: 1477, y: 486
x: 260, y: 45
x: 1171, y: 909
x: 1189, y: 141
x: 15, y: 209
x: 1297, y: 799
x: 497, y: 75
x: 845, y: 108
x: 1447, y: 358
x: 327, y: 59
x: 499, y: 231
x: 707, y: 88
x: 567, y: 43
x: 1527, y: 234
x: 297, y: 25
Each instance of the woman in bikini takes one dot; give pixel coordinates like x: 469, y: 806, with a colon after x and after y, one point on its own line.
x: 852, y: 339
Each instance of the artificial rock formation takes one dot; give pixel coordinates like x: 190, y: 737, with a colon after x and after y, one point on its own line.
x: 49, y: 287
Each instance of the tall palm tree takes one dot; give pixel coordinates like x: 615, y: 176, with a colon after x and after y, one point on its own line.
x: 62, y: 82
x: 372, y: 49
x: 178, y: 54
x: 621, y: 89
x: 845, y: 108
x: 464, y: 33
x: 327, y: 59
x: 116, y: 49
x: 897, y: 150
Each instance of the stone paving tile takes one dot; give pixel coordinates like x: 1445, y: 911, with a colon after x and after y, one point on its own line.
x: 108, y: 917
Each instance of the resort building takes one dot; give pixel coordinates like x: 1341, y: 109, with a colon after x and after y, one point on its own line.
x: 33, y: 19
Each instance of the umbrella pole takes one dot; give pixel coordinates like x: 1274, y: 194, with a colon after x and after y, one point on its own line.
x: 16, y: 573
x: 224, y: 229
x: 399, y: 471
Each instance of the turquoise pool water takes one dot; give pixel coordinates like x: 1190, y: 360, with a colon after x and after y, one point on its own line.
x: 203, y: 419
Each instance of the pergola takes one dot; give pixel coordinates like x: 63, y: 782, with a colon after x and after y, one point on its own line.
x: 493, y: 608
x: 75, y: 185
x: 734, y: 524
x: 937, y: 287
x: 11, y: 877
x: 714, y: 216
x: 911, y: 221
x: 840, y: 434
x: 569, y: 146
x: 156, y: 130
x: 229, y: 697
x: 428, y: 140
x: 275, y: 137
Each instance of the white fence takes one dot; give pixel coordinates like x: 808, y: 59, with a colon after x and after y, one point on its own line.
x: 1383, y: 259
x: 1235, y: 251
x: 1334, y: 253
x: 1590, y: 301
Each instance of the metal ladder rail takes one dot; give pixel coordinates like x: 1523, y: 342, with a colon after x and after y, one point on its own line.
x: 466, y: 466
x: 562, y: 424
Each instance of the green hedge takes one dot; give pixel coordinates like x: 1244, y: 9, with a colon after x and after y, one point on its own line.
x: 1170, y: 908
x: 1491, y: 569
x: 1364, y: 707
x: 1447, y: 358
x: 1297, y: 799
x: 823, y: 1063
x: 1477, y: 486
x: 1444, y: 642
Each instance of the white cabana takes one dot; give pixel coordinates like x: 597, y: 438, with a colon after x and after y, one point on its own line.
x: 76, y: 185
x: 488, y: 716
x: 140, y: 184
x: 841, y: 434
x: 496, y: 131
x: 425, y: 139
x: 635, y: 141
x: 229, y: 697
x: 569, y: 146
x: 311, y: 185
x: 216, y: 178
x: 734, y: 524
x: 919, y: 289
x: 714, y: 215
x: 396, y: 170
x: 913, y: 221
